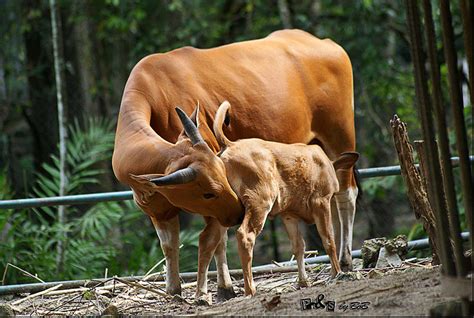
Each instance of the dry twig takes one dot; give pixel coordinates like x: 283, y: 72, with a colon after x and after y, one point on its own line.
x: 44, y: 292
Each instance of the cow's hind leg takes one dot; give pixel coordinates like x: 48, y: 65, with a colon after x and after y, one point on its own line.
x: 168, y: 232
x: 298, y: 245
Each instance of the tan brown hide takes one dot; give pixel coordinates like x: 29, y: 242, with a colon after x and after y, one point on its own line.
x: 288, y: 87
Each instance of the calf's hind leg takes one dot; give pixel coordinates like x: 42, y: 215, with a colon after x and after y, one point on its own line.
x: 322, y: 218
x: 298, y: 245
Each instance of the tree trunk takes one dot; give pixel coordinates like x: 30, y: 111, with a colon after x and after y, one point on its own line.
x: 39, y: 114
x: 83, y: 48
x: 285, y: 14
x: 58, y: 62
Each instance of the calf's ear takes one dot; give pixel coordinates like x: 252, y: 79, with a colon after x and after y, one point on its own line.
x: 346, y: 160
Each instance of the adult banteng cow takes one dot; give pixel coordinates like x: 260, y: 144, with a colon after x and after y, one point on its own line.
x: 289, y: 87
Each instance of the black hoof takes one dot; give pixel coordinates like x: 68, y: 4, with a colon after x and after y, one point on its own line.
x: 202, y: 301
x: 346, y: 266
x: 177, y: 298
x: 175, y: 291
x: 224, y: 294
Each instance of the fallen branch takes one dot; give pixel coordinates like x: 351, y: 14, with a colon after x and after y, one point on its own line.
x: 137, y: 285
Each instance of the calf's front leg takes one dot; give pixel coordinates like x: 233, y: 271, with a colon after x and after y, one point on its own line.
x: 250, y: 228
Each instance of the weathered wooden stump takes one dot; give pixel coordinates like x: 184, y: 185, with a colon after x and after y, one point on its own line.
x: 414, y: 180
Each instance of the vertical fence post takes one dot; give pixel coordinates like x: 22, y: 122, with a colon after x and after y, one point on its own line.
x: 424, y: 109
x: 455, y: 93
x: 444, y: 152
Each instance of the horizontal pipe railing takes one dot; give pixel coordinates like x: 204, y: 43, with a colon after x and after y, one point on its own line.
x: 395, y: 170
x: 66, y: 200
x: 37, y: 287
x: 127, y: 195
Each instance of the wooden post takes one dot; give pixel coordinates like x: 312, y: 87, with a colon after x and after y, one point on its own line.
x: 416, y: 188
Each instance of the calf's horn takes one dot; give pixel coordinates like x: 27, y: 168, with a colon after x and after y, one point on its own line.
x: 178, y: 177
x: 189, y: 128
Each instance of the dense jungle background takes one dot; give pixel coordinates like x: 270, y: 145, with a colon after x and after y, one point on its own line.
x: 100, y: 42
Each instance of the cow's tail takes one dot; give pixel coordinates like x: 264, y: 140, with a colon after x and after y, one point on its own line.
x: 360, y: 193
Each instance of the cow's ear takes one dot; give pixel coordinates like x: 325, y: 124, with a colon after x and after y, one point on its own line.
x: 346, y: 160
x: 145, y: 178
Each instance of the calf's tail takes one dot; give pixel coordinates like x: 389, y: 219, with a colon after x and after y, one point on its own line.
x: 217, y: 127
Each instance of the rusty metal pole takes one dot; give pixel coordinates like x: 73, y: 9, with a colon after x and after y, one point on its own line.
x: 455, y: 93
x: 440, y: 116
x: 424, y: 109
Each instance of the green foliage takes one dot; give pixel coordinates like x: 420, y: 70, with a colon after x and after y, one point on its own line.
x: 93, y: 235
x: 120, y: 33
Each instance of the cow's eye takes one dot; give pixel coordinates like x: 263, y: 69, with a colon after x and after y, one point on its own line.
x: 209, y: 195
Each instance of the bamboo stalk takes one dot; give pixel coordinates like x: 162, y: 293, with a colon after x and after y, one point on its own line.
x: 58, y: 57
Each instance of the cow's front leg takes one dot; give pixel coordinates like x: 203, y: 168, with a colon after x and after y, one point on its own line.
x: 346, y: 205
x: 250, y: 228
x: 209, y: 240
x: 225, y: 290
x: 168, y: 233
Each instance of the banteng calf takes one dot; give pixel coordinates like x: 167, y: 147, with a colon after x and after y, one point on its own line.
x: 295, y: 181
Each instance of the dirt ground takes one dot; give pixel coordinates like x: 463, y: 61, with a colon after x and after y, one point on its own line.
x: 407, y: 291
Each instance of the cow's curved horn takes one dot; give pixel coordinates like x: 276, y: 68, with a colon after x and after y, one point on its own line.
x: 178, y: 177
x: 189, y: 128
x: 218, y: 121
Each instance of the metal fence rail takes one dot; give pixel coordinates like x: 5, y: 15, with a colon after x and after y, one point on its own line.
x: 127, y: 195
x: 37, y: 287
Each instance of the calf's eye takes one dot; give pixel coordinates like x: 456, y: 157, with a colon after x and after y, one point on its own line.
x: 209, y: 195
